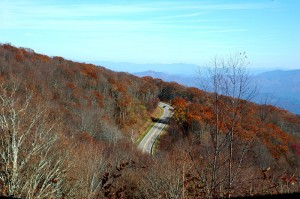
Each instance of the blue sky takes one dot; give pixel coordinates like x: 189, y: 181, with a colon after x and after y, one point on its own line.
x: 186, y: 31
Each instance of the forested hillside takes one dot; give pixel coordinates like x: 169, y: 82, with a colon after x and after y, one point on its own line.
x: 69, y: 130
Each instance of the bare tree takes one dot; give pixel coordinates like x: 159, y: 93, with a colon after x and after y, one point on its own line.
x: 29, y: 167
x: 229, y: 83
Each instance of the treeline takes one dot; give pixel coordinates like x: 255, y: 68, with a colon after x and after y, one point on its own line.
x: 66, y: 132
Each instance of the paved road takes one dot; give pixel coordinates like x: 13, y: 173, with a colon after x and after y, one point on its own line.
x: 147, y: 143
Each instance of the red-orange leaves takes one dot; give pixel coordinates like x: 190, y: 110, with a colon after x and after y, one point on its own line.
x: 71, y: 85
x: 111, y: 80
x: 89, y: 70
x: 194, y: 113
x: 58, y: 58
x: 207, y: 114
x: 19, y: 57
x: 120, y: 87
x: 43, y: 58
x: 99, y: 98
x: 296, y: 148
x: 180, y: 109
x: 275, y: 139
x: 86, y: 137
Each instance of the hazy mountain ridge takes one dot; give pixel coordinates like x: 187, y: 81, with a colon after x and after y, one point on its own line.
x: 186, y: 80
x: 279, y: 87
x: 175, y: 68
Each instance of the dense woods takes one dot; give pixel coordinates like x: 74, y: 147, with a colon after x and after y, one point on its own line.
x: 66, y: 132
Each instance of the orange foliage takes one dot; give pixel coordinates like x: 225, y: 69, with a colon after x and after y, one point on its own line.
x: 71, y: 85
x: 19, y: 57
x: 43, y: 58
x: 124, y: 101
x: 111, y: 80
x: 99, y: 98
x: 58, y: 58
x: 86, y: 137
x: 89, y: 70
x: 74, y: 91
x: 180, y: 109
x: 274, y: 139
x: 120, y: 87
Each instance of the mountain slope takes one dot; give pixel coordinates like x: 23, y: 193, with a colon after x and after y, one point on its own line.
x: 63, y: 123
x: 281, y: 88
x: 79, y: 88
x: 67, y: 130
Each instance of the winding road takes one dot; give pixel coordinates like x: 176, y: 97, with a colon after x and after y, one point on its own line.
x: 147, y: 142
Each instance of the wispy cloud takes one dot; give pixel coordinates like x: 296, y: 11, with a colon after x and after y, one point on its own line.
x: 227, y: 6
x: 38, y: 10
x: 157, y: 26
x: 184, y: 16
x: 227, y: 30
x: 101, y: 17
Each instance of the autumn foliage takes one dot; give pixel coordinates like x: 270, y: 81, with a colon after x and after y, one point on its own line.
x: 88, y: 114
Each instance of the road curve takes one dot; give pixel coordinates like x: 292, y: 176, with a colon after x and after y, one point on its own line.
x: 147, y: 142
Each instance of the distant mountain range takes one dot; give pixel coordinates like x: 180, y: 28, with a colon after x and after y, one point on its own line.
x: 176, y: 68
x: 279, y: 87
x: 187, y: 80
x: 179, y: 69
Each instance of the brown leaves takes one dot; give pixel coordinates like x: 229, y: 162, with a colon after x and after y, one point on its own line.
x: 109, y: 180
x: 89, y: 70
x: 99, y: 98
x: 180, y: 109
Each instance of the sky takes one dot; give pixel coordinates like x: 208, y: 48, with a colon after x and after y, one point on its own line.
x: 165, y: 32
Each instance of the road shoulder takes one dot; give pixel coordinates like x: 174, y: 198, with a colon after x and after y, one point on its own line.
x: 157, y: 113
